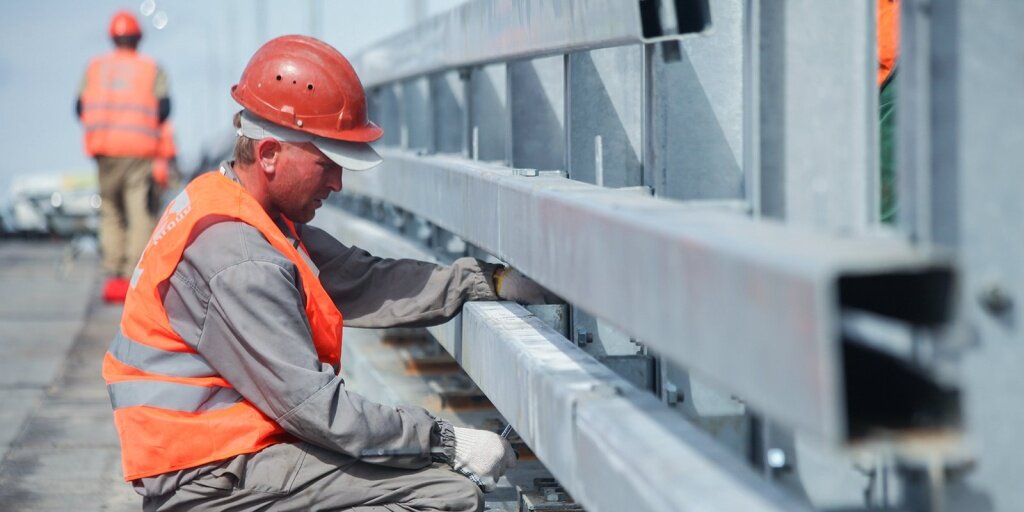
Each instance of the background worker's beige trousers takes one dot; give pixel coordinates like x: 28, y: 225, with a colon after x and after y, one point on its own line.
x: 303, y: 477
x: 126, y: 215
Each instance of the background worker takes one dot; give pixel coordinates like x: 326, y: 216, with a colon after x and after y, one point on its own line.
x: 123, y: 99
x: 888, y: 27
x: 224, y: 376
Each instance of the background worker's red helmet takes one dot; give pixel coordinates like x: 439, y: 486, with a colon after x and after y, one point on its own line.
x: 304, y: 84
x: 124, y: 24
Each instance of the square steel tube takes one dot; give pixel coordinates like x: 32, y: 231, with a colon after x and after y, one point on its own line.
x: 751, y: 305
x: 486, y: 31
x: 585, y: 422
x: 588, y: 425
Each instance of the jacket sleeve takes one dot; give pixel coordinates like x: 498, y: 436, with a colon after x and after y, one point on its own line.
x: 256, y: 336
x: 380, y: 292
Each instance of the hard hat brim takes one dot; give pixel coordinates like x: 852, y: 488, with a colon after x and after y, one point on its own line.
x: 354, y: 156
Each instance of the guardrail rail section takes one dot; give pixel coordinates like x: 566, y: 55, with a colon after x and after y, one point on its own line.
x: 699, y: 179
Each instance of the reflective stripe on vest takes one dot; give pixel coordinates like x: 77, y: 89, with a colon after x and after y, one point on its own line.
x: 171, y: 408
x: 127, y: 107
x: 119, y: 110
x: 120, y: 127
x: 154, y: 360
x: 171, y: 396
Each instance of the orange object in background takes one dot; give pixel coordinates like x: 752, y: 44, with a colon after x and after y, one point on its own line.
x: 888, y: 26
x: 124, y: 24
x: 115, y: 290
x: 119, y: 111
x: 165, y: 152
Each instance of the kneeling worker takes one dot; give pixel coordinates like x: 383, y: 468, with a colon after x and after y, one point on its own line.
x: 224, y: 374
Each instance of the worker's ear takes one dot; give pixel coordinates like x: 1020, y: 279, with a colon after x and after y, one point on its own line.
x: 267, y: 152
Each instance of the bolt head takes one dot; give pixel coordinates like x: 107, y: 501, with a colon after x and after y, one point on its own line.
x: 995, y: 298
x: 775, y: 458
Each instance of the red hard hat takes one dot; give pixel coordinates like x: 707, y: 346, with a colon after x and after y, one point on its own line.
x: 304, y: 84
x: 124, y: 24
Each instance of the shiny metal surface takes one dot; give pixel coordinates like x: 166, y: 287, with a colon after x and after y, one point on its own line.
x: 753, y: 306
x: 588, y: 425
x: 484, y: 31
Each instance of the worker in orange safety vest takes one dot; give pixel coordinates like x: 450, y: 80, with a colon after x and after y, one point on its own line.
x: 123, y: 100
x: 225, y: 374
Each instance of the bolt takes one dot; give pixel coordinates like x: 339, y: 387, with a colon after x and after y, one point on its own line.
x: 995, y: 298
x: 672, y: 394
x: 775, y: 458
x: 424, y: 231
x: 583, y: 337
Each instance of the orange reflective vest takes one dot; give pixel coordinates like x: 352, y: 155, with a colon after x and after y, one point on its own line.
x: 171, y: 409
x: 120, y: 112
x: 888, y: 26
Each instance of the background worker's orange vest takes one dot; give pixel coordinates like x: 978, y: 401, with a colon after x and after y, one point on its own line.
x: 120, y: 112
x: 888, y: 26
x: 171, y: 409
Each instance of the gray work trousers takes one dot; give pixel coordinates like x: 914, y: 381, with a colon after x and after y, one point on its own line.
x: 304, y: 477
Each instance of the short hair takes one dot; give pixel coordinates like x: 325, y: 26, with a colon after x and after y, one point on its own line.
x: 127, y: 41
x: 245, y: 148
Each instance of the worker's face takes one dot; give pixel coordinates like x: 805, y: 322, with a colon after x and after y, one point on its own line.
x: 304, y: 177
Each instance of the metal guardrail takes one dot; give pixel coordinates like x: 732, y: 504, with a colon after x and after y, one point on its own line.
x: 585, y: 422
x: 841, y: 337
x: 482, y: 32
x: 752, y: 305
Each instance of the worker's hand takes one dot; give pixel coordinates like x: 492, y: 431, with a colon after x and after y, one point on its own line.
x: 511, y: 284
x: 161, y: 172
x: 483, y: 456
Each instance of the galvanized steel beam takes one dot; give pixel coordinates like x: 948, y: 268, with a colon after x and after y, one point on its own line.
x: 753, y: 306
x: 611, y: 445
x: 962, y: 143
x: 818, y: 114
x: 582, y: 420
x: 487, y: 31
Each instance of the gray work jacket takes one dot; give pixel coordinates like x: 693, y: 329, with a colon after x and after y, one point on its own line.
x: 240, y: 302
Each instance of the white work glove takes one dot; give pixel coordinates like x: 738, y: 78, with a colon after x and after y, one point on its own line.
x: 511, y: 284
x: 483, y: 456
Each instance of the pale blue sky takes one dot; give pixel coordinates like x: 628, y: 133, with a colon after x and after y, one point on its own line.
x: 46, y: 44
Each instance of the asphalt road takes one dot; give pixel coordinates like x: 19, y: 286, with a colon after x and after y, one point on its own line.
x: 58, y: 447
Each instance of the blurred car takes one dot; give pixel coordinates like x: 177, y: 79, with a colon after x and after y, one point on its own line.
x: 62, y: 205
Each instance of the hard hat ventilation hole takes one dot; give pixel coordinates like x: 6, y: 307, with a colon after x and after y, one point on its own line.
x: 279, y: 77
x: 309, y: 87
x: 294, y: 82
